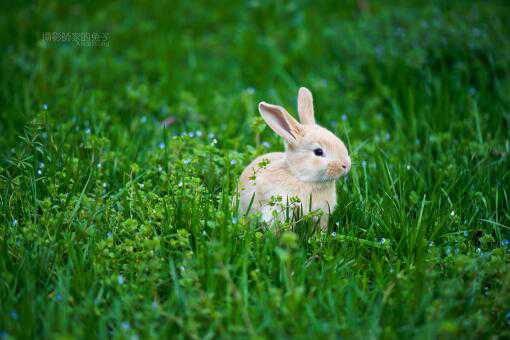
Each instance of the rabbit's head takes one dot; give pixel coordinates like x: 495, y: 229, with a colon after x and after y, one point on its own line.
x: 313, y: 153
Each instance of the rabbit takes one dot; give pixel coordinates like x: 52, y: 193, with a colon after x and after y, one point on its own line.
x: 313, y: 160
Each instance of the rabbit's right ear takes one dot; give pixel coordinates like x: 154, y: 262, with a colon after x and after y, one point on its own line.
x: 305, y: 106
x: 281, y: 122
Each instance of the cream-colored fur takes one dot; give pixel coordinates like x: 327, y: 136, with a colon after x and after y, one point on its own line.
x: 299, y: 172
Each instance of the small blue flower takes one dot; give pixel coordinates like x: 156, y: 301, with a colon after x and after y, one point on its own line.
x: 387, y: 136
x: 233, y: 162
x: 431, y: 243
x: 15, y: 222
x: 191, y: 134
x: 234, y: 220
x: 344, y: 117
x: 210, y: 135
x: 266, y: 144
x: 382, y: 241
x: 154, y: 304
x: 333, y: 234
x: 186, y: 161
x: 45, y: 106
x: 125, y: 325
x: 87, y: 131
x: 505, y: 243
x: 143, y: 119
x: 364, y: 164
x: 508, y: 317
x: 120, y: 279
x: 448, y: 250
x: 466, y: 233
x: 58, y: 297
x: 161, y: 145
x: 14, y: 315
x: 109, y: 234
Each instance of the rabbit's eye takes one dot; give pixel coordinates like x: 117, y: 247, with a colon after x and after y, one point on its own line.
x: 318, y: 152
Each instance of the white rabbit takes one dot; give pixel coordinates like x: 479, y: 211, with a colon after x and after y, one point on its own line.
x: 313, y: 160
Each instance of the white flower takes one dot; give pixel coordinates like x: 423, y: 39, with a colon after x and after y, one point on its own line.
x: 39, y: 172
x: 180, y: 184
x: 186, y: 161
x: 41, y: 165
x: 87, y: 131
x: 14, y: 222
x: 382, y: 240
x: 104, y: 184
x: 198, y: 133
x: 214, y: 141
x: 452, y: 214
x: 99, y: 165
x: 333, y: 234
x: 45, y: 106
x: 408, y: 167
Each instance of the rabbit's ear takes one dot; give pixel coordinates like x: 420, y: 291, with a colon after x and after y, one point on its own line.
x: 281, y: 121
x: 305, y: 106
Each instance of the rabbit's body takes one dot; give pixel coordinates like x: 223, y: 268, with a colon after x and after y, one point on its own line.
x: 258, y: 182
x: 313, y: 160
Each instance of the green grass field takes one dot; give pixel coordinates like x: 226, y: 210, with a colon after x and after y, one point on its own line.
x: 113, y: 225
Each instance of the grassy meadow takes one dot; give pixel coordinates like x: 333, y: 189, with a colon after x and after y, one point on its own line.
x: 120, y: 152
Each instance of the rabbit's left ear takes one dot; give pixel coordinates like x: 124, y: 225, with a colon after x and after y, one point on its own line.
x: 305, y: 106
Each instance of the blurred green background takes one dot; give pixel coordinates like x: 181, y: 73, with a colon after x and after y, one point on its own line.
x: 113, y: 225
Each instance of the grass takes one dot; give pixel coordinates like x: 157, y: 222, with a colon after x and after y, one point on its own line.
x: 112, y: 225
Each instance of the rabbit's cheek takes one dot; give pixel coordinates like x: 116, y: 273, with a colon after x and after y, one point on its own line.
x: 334, y: 169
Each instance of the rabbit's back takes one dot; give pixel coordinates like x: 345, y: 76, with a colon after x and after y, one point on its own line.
x: 260, y: 177
x: 269, y: 176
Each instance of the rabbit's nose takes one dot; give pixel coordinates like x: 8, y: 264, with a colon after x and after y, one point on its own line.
x: 346, y: 165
